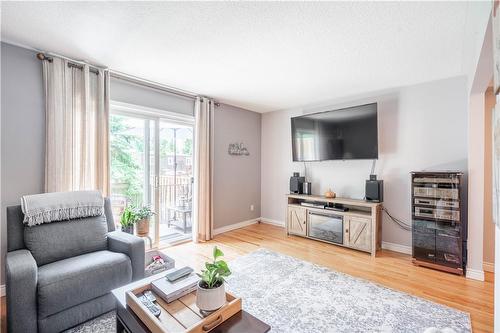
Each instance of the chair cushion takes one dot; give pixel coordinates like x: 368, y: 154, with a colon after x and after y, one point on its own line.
x: 79, y: 314
x: 69, y: 282
x: 50, y: 242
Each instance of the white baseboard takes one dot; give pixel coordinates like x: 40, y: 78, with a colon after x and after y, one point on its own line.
x: 385, y: 245
x: 396, y: 247
x: 489, y: 267
x: 273, y: 222
x: 235, y: 226
x: 474, y: 274
x: 2, y: 290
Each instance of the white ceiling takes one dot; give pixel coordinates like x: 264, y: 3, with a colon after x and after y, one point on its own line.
x: 262, y: 56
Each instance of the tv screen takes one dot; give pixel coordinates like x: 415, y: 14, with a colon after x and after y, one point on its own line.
x: 342, y: 134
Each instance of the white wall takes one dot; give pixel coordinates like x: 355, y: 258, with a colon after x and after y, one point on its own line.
x: 476, y: 187
x: 474, y: 34
x: 481, y: 80
x: 421, y: 127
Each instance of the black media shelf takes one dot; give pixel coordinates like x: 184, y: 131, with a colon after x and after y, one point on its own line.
x: 439, y: 220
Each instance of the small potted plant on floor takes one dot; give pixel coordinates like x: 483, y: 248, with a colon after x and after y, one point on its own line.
x: 211, y: 293
x: 127, y: 220
x: 143, y: 216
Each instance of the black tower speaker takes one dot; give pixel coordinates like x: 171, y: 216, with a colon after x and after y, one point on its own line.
x: 296, y: 183
x: 374, y: 189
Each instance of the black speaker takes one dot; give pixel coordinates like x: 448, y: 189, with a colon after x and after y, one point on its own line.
x: 296, y: 183
x: 374, y: 189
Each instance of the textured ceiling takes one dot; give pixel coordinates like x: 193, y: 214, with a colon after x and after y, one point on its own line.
x: 261, y: 56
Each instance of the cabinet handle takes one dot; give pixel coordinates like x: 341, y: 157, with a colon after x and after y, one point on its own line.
x: 347, y: 231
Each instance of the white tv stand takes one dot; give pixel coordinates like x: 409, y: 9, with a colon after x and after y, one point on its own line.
x: 362, y: 223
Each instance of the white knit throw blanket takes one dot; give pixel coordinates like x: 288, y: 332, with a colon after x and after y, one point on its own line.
x: 59, y: 206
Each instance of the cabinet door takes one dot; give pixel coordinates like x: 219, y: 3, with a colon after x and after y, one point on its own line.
x: 297, y: 220
x: 359, y: 233
x: 424, y: 240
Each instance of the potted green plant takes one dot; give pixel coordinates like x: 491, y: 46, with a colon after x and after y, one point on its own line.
x: 211, y: 293
x: 143, y: 216
x: 127, y: 220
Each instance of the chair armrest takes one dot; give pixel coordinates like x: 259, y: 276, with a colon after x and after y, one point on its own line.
x: 132, y: 246
x: 21, y: 274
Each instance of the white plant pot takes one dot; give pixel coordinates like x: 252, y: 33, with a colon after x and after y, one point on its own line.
x: 210, y: 299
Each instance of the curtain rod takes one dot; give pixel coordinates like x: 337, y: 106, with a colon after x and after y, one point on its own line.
x: 126, y: 77
x: 71, y: 63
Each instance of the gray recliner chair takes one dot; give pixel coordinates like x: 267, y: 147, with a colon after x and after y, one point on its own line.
x: 60, y: 274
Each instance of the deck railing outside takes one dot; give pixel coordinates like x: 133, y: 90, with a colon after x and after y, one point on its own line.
x: 171, y: 195
x: 174, y: 195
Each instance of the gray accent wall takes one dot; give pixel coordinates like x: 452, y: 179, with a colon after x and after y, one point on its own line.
x: 22, y: 131
x: 236, y: 178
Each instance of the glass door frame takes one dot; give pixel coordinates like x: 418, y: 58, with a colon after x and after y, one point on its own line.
x: 155, y: 116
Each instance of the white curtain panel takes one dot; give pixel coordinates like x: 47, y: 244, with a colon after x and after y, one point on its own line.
x: 77, y: 123
x: 203, y: 170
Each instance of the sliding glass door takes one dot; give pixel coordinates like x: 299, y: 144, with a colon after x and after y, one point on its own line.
x: 175, y: 183
x: 152, y: 165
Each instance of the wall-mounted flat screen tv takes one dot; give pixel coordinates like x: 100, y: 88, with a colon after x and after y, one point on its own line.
x: 343, y: 134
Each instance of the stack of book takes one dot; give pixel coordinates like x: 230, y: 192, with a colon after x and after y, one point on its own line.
x: 170, y: 291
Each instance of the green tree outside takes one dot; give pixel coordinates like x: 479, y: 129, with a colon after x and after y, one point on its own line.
x: 123, y: 147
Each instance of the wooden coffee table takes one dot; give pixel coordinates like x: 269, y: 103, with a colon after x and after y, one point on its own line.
x: 127, y: 321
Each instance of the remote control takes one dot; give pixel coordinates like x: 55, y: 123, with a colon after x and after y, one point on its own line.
x: 155, y: 310
x: 149, y: 294
x: 176, y: 275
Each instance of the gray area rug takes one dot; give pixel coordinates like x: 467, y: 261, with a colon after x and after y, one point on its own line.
x: 102, y: 324
x: 292, y: 295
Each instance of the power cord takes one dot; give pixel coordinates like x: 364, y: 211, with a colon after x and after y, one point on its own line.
x: 402, y: 224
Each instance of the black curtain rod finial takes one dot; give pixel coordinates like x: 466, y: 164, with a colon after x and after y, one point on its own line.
x: 217, y: 104
x: 41, y: 56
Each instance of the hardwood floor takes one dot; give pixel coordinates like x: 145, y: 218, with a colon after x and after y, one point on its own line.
x: 3, y: 314
x: 390, y: 269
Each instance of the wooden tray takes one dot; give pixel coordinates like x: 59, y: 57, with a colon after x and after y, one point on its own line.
x: 181, y: 315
